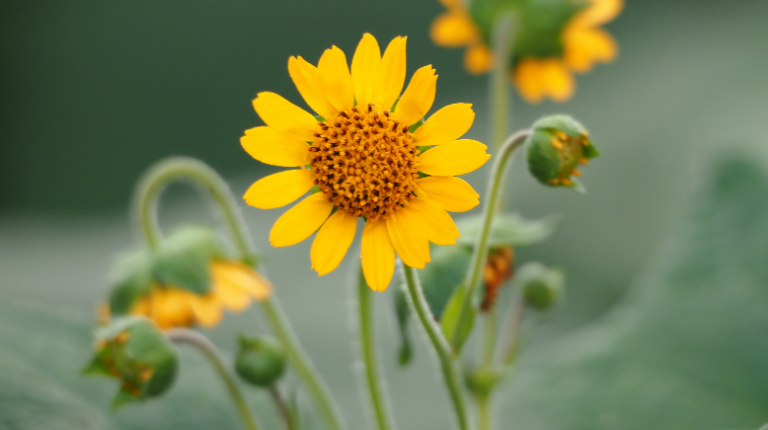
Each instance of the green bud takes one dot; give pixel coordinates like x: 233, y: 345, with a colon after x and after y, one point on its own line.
x: 556, y: 147
x: 135, y: 352
x: 261, y: 360
x: 541, y: 286
x: 482, y: 380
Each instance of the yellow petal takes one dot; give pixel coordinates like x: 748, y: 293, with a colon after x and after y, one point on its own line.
x: 309, y: 82
x: 280, y: 189
x: 391, y: 74
x: 584, y: 47
x: 378, y: 255
x: 527, y: 79
x: 451, y: 193
x: 232, y: 297
x: 207, y: 310
x: 600, y: 12
x: 332, y: 242
x: 365, y: 67
x: 418, y: 97
x: 300, y: 221
x: 478, y: 59
x: 285, y: 116
x: 453, y: 29
x: 272, y: 147
x: 177, y: 307
x: 437, y: 224
x: 445, y: 125
x: 538, y: 78
x: 408, y: 237
x: 557, y: 81
x: 455, y: 158
x: 239, y: 283
x: 338, y: 82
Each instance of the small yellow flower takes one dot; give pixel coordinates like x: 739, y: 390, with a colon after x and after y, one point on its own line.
x: 584, y: 44
x: 233, y: 286
x: 368, y: 156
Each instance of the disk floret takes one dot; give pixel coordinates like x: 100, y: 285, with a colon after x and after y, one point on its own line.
x: 365, y: 162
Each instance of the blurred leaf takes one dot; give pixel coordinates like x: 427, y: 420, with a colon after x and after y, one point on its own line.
x: 450, y: 319
x: 183, y: 259
x: 440, y: 278
x: 41, y: 386
x: 508, y: 230
x: 131, y: 278
x: 688, y: 349
x: 403, y: 312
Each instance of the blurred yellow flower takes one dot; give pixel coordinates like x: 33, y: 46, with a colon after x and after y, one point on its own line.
x: 584, y: 43
x: 233, y: 286
x: 367, y: 155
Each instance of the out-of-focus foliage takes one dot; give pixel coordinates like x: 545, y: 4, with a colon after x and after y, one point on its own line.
x: 688, y: 349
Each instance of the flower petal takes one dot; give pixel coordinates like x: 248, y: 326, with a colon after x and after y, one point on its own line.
x: 408, y: 237
x: 338, y: 82
x: 536, y: 78
x: 280, y: 189
x: 242, y: 276
x: 418, y: 97
x: 438, y: 225
x: 332, y: 242
x: 478, y: 59
x: 453, y: 29
x: 455, y: 158
x: 451, y: 193
x: 586, y: 46
x: 378, y: 255
x: 300, y: 221
x: 310, y: 84
x: 600, y: 12
x: 365, y: 66
x: 445, y: 125
x: 285, y: 116
x: 277, y: 149
x: 207, y: 310
x: 391, y: 74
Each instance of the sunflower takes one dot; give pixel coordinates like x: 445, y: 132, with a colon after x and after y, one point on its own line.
x: 368, y: 154
x: 584, y: 43
x: 233, y: 286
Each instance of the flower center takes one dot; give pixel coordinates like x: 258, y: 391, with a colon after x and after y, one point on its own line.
x: 365, y: 162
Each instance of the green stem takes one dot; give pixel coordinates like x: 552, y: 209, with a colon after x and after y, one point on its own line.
x: 202, y: 343
x: 513, y: 331
x: 484, y: 412
x: 489, y: 339
x: 277, y: 397
x: 499, y: 79
x: 368, y: 345
x: 480, y: 251
x: 178, y: 168
x: 443, y: 350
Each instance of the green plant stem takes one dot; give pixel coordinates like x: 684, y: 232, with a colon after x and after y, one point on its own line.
x: 480, y: 251
x: 489, y: 338
x: 484, y: 412
x: 499, y: 78
x: 184, y: 168
x: 513, y: 331
x: 277, y: 397
x: 202, y: 343
x: 368, y: 345
x: 443, y: 350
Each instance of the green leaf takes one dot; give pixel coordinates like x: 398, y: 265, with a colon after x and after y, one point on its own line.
x: 403, y: 312
x: 131, y: 278
x: 183, y: 259
x: 689, y: 347
x: 449, y: 323
x: 508, y: 230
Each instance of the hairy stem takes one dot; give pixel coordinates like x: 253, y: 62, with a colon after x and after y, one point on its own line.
x: 202, y: 343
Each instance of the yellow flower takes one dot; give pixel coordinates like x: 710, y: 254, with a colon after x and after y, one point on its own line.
x: 233, y: 286
x: 584, y: 43
x: 368, y: 156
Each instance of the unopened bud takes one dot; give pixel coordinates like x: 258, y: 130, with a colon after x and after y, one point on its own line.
x: 541, y: 286
x: 261, y: 360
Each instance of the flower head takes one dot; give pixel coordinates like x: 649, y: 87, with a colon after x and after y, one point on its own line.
x: 553, y: 41
x: 368, y: 154
x: 188, y: 281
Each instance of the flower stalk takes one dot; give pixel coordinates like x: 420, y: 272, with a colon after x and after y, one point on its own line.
x: 202, y: 343
x: 499, y: 78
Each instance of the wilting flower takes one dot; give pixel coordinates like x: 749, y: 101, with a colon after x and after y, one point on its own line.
x: 368, y: 155
x: 539, y: 68
x: 187, y: 281
x: 498, y: 270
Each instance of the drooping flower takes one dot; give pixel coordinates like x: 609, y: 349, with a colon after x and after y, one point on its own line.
x: 369, y: 154
x: 540, y: 69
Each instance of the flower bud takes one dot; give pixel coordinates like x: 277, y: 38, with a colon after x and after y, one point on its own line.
x: 136, y: 353
x: 482, y: 380
x: 556, y: 147
x: 261, y: 360
x: 541, y: 286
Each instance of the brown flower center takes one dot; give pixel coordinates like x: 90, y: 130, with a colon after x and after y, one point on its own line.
x: 365, y: 162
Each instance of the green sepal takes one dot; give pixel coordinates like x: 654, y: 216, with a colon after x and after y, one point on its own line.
x: 449, y: 322
x: 541, y: 286
x: 508, y: 230
x: 553, y: 165
x: 183, y: 259
x: 402, y: 312
x: 131, y: 279
x: 260, y: 360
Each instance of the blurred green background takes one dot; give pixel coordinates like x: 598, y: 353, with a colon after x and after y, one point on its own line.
x: 92, y: 93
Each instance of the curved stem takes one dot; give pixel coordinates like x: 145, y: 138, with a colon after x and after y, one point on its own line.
x: 154, y: 182
x: 277, y: 397
x: 480, y: 251
x: 443, y: 350
x: 209, y: 349
x: 499, y: 78
x: 368, y: 345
